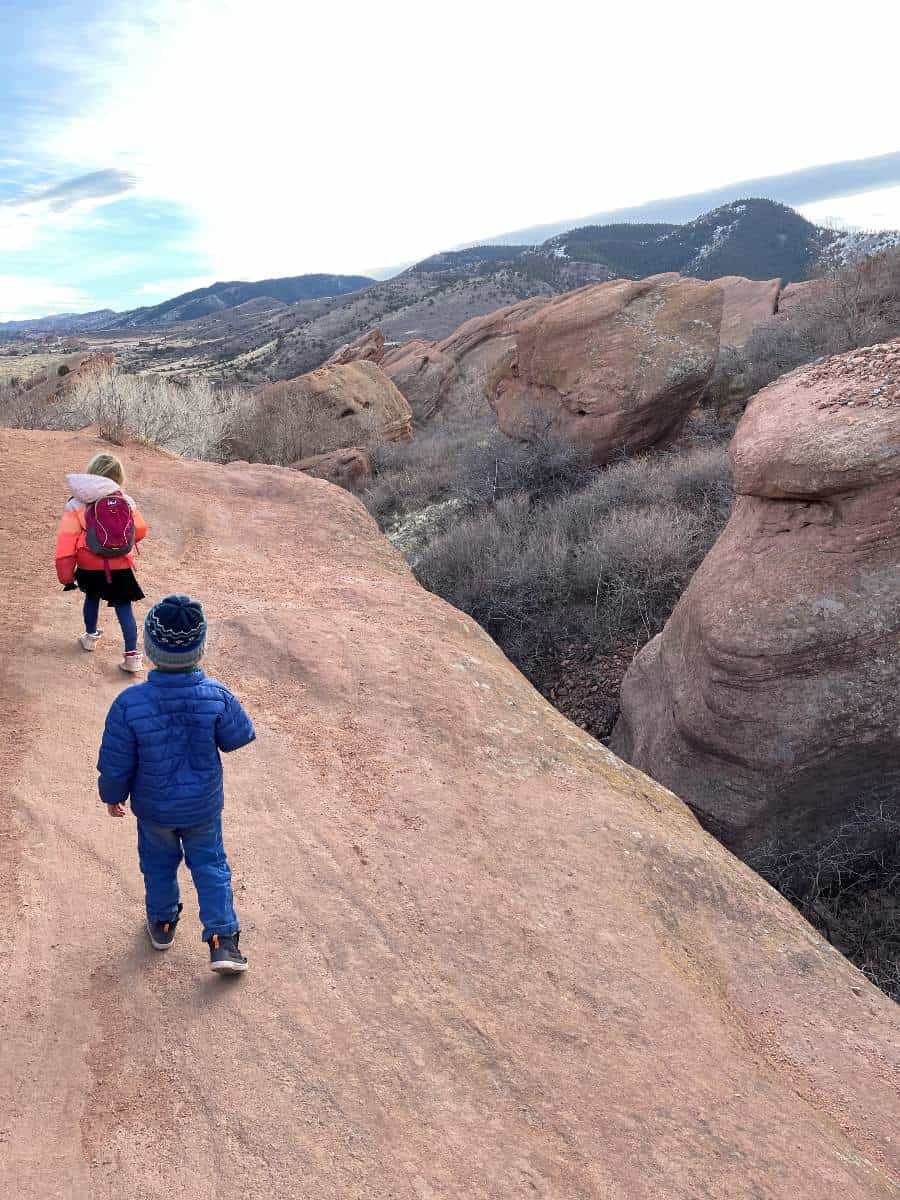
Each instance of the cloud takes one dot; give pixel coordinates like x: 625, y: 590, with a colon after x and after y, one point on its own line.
x: 278, y: 138
x: 83, y: 191
x: 378, y: 134
x: 34, y: 214
x: 22, y: 298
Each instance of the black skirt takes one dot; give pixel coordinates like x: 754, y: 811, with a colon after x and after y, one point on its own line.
x: 122, y: 588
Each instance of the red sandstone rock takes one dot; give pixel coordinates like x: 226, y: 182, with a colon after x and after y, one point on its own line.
x: 771, y: 700
x: 348, y: 468
x: 747, y: 303
x: 349, y: 404
x: 368, y: 347
x: 796, y: 295
x: 488, y: 960
x: 616, y: 366
x: 450, y: 376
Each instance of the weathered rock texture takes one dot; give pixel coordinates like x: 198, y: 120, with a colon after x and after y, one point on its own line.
x: 348, y: 404
x: 368, y: 347
x: 487, y: 959
x: 449, y: 377
x: 347, y: 468
x: 747, y: 303
x: 797, y: 295
x: 771, y: 700
x: 616, y: 366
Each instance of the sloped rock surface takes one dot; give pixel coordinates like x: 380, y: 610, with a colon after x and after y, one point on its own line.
x: 747, y: 303
x: 616, y: 366
x: 348, y: 404
x: 771, y: 700
x: 347, y: 468
x: 488, y: 959
x: 368, y: 347
x: 450, y: 376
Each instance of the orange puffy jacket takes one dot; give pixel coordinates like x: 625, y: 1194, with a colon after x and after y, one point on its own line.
x: 71, y: 551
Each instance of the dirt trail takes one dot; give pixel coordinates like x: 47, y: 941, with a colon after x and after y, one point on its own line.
x: 487, y: 959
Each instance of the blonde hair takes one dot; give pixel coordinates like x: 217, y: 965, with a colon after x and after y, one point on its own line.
x: 108, y: 466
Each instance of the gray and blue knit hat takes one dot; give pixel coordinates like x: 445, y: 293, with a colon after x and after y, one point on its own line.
x: 175, y: 633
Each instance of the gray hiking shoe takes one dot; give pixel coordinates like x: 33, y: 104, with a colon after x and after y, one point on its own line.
x: 162, y: 933
x: 224, y: 956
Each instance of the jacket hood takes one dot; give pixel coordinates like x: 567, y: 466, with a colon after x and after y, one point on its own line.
x: 90, y: 488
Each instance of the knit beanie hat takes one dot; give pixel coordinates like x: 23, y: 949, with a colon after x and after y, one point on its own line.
x: 175, y: 633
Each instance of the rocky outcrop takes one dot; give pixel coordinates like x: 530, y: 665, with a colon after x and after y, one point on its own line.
x: 449, y: 377
x: 797, y: 296
x: 616, y: 366
x: 340, y: 405
x: 771, y: 700
x: 421, y: 372
x: 487, y: 958
x: 747, y: 303
x: 348, y: 468
x: 368, y: 347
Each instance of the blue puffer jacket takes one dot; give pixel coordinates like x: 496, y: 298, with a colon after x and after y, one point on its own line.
x: 161, y: 746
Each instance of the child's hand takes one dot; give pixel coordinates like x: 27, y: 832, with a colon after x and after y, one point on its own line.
x: 116, y: 810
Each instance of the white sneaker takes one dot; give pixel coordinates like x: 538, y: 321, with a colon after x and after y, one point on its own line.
x: 88, y: 641
x: 132, y: 663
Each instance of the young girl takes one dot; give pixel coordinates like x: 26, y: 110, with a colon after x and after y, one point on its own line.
x: 109, y: 579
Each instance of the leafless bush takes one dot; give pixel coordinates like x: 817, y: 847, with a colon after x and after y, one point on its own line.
x: 288, y: 421
x: 188, y: 418
x: 856, y: 305
x: 603, y: 562
x: 847, y: 884
x: 23, y: 411
x: 473, y: 462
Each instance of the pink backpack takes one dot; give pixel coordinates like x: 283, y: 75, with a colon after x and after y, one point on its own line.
x: 109, y: 528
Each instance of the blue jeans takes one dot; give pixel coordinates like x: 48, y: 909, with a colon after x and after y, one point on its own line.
x: 160, y: 851
x: 123, y: 612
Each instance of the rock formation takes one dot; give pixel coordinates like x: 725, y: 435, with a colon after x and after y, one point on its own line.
x: 616, y: 366
x: 747, y: 303
x: 336, y: 406
x: 487, y: 958
x: 368, y: 347
x: 449, y: 376
x: 347, y: 468
x: 771, y: 700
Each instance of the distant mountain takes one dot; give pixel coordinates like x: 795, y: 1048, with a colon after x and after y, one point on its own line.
x: 61, y: 323
x: 260, y: 331
x: 218, y: 297
x: 753, y: 237
x: 795, y: 187
x: 221, y: 296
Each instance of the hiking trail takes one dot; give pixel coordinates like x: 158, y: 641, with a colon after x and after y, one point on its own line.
x: 487, y: 959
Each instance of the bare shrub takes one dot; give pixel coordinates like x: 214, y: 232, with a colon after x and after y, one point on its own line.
x: 188, y: 418
x: 473, y: 462
x: 847, y: 884
x: 290, y: 424
x: 409, y: 476
x: 855, y: 305
x: 605, y: 562
x: 23, y: 411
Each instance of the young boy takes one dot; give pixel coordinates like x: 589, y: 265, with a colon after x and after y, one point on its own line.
x: 161, y: 746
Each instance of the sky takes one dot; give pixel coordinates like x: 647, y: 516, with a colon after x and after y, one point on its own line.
x: 148, y: 148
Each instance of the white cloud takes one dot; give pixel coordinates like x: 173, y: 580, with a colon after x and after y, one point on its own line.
x: 866, y: 210
x: 22, y: 298
x: 327, y: 137
x: 29, y: 218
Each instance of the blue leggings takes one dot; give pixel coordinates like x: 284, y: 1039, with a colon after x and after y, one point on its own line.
x: 123, y: 612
